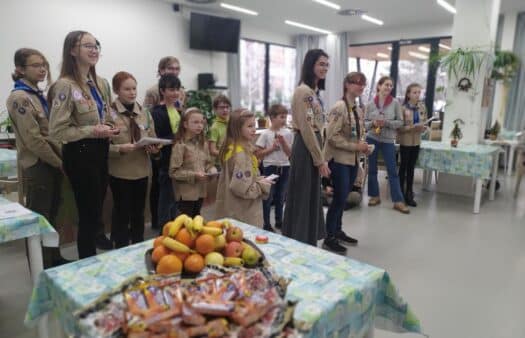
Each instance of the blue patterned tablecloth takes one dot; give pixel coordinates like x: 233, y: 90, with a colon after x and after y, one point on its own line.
x: 8, y: 163
x: 474, y: 160
x: 26, y: 226
x: 337, y: 296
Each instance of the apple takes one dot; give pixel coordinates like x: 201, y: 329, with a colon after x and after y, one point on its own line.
x: 234, y: 234
x: 250, y: 255
x: 220, y: 242
x: 214, y: 258
x: 233, y: 249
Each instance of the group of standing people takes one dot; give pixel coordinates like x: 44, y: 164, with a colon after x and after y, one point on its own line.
x: 79, y: 131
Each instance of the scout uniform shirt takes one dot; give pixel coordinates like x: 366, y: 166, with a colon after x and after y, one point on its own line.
x: 187, y: 158
x: 308, y: 119
x: 343, y: 133
x: 407, y: 134
x: 74, y: 111
x: 135, y: 164
x: 240, y: 191
x: 30, y: 121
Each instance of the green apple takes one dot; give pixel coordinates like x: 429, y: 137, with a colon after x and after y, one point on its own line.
x: 214, y: 258
x: 220, y: 242
x: 250, y: 255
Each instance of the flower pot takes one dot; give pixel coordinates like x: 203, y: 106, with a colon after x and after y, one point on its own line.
x: 454, y: 143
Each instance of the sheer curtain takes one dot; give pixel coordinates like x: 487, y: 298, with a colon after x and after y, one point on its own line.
x: 234, y: 79
x: 515, y: 116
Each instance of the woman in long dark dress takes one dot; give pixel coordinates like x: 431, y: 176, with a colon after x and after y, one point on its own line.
x: 303, y: 216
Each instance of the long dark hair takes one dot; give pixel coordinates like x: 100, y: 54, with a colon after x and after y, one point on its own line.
x: 21, y: 56
x: 307, y: 70
x: 382, y: 80
x: 407, y: 92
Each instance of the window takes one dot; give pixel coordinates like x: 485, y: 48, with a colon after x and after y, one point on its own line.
x: 267, y: 74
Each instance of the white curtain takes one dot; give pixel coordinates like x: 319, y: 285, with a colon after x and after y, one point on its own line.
x: 234, y: 79
x: 515, y: 116
x: 336, y: 46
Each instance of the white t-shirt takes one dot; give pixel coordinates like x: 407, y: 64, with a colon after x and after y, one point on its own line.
x: 278, y: 157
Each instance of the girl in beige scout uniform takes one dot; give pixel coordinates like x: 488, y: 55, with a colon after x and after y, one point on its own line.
x: 78, y: 120
x: 241, y: 190
x: 409, y: 139
x: 38, y: 155
x: 190, y: 164
x: 303, y: 215
x: 129, y: 165
x: 342, y: 150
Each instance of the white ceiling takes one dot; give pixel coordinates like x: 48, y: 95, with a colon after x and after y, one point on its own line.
x: 394, y: 13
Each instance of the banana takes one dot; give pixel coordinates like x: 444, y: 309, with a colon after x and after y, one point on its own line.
x: 198, y: 222
x: 227, y: 224
x: 233, y: 261
x: 188, y: 224
x: 175, y: 245
x: 211, y: 231
x: 176, y: 225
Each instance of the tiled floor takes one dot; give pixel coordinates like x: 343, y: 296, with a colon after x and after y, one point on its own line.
x: 463, y: 274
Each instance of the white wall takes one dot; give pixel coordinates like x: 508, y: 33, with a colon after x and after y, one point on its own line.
x: 134, y: 35
x: 399, y: 33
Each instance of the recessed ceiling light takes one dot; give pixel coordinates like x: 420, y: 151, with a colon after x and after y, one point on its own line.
x: 444, y: 46
x: 447, y: 6
x: 238, y: 9
x: 383, y: 55
x: 418, y: 55
x: 371, y: 19
x: 424, y: 49
x: 302, y: 25
x: 328, y: 4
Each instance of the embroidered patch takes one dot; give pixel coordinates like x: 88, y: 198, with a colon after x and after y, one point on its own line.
x: 25, y: 103
x: 22, y: 110
x: 238, y: 175
x: 309, y: 98
x: 76, y: 94
x: 15, y: 105
x: 62, y: 97
x: 248, y: 174
x: 56, y: 103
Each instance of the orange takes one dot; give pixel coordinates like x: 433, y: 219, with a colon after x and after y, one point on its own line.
x: 184, y: 237
x: 166, y: 229
x: 169, y: 264
x: 194, y: 263
x: 158, y: 241
x: 205, y: 244
x: 182, y: 255
x: 214, y: 224
x: 159, y: 252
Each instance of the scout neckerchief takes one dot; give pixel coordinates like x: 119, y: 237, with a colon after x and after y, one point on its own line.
x: 20, y: 85
x: 221, y: 119
x: 388, y: 100
x: 98, y: 99
x: 415, y: 109
x: 134, y: 129
x: 240, y: 149
x: 356, y: 118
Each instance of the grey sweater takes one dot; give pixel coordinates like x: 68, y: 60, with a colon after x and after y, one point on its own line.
x: 393, y: 120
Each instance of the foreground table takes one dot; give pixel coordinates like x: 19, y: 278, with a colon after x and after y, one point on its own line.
x: 337, y: 296
x: 472, y: 160
x: 37, y: 230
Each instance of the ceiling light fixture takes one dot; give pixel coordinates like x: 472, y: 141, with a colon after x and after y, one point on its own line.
x: 383, y: 55
x: 418, y: 55
x: 328, y: 4
x: 444, y: 46
x: 447, y: 6
x: 424, y: 49
x: 301, y: 25
x: 238, y: 9
x: 372, y: 20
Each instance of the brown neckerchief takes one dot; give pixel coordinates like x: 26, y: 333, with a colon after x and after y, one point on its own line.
x: 134, y: 129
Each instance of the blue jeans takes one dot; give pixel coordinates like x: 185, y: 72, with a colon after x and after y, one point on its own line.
x: 343, y: 177
x: 276, y: 194
x: 166, y: 209
x: 389, y: 155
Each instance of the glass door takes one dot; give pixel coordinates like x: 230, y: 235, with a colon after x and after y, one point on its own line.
x: 412, y: 67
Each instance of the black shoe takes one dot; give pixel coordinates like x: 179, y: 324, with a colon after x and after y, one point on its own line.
x: 331, y: 244
x: 409, y: 199
x: 268, y: 228
x: 345, y: 238
x: 103, y: 243
x: 278, y: 225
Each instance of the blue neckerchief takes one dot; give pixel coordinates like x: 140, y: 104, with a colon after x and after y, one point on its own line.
x: 318, y: 94
x: 19, y: 85
x: 415, y: 109
x: 98, y: 99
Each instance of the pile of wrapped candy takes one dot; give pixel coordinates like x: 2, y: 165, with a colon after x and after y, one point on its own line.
x: 220, y: 302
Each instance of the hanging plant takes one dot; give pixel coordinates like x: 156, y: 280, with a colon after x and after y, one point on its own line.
x: 505, y: 66
x: 464, y: 62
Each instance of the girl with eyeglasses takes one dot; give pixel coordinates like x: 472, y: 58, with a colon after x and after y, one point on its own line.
x: 80, y: 120
x: 38, y: 155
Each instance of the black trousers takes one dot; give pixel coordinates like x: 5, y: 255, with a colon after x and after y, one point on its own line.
x: 154, y: 194
x: 190, y: 208
x: 409, y: 156
x: 86, y: 165
x: 129, y: 201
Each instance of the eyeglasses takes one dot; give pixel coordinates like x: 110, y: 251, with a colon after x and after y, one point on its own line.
x: 173, y: 69
x: 37, y: 65
x: 91, y: 47
x: 223, y: 107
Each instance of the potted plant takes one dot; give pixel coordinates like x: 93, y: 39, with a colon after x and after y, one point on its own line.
x: 261, y: 119
x: 456, y: 134
x: 7, y: 125
x: 201, y: 99
x: 494, y: 131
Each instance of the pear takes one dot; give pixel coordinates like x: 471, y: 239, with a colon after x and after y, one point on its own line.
x: 250, y: 256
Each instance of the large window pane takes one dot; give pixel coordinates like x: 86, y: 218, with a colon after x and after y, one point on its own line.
x: 282, y: 75
x: 441, y: 78
x: 413, y: 67
x: 252, y: 55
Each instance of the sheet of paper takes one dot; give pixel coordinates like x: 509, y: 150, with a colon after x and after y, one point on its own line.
x: 151, y: 140
x: 10, y: 210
